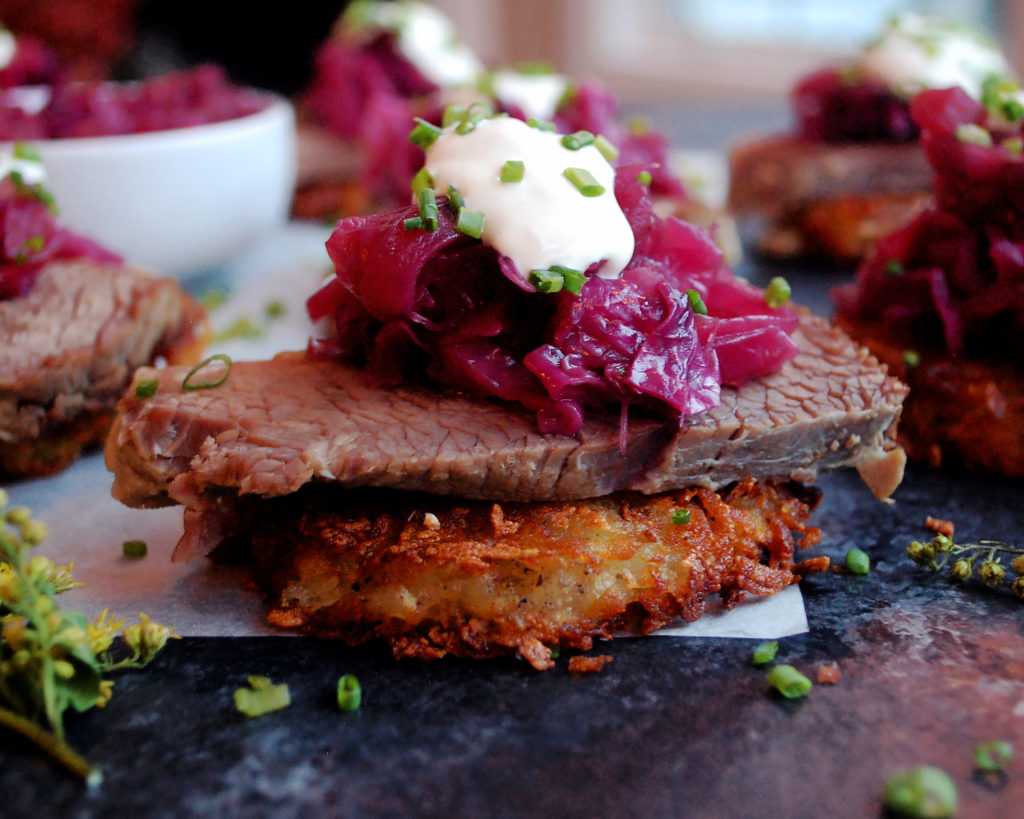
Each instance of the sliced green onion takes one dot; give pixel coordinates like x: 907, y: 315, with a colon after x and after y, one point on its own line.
x: 146, y: 388
x: 572, y: 278
x: 540, y: 124
x: 22, y: 150
x: 973, y: 134
x: 993, y: 756
x: 912, y: 358
x: 555, y: 652
x: 697, y: 303
x: 680, y: 516
x: 894, y: 267
x: 422, y: 180
x: 644, y: 177
x: 583, y: 180
x: 187, y: 384
x: 427, y: 201
x: 765, y: 652
x: 547, y: 281
x: 608, y: 151
x: 777, y: 293
x: 578, y: 140
x: 858, y: 562
x: 243, y: 327
x: 512, y: 171
x: 350, y: 694
x: 413, y: 223
x: 134, y: 548
x: 1015, y: 145
x: 213, y: 298
x: 455, y: 198
x: 470, y: 222
x: 274, y: 309
x: 453, y: 115
x: 789, y: 682
x: 424, y: 134
x: 921, y: 791
x: 262, y: 697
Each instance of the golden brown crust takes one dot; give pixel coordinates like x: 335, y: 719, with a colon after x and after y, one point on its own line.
x: 436, y: 576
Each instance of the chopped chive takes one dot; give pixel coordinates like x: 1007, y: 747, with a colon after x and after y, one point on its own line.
x: 262, y: 697
x: 422, y: 180
x: 578, y: 140
x: 241, y: 328
x: 540, y: 124
x: 992, y: 756
x: 680, y: 516
x: 912, y: 358
x: 858, y: 562
x: 1015, y: 145
x: 427, y: 201
x: 134, y: 548
x: 777, y: 292
x: 350, y: 694
x: 789, y: 682
x: 453, y: 115
x: 146, y: 388
x: 424, y: 134
x: 455, y: 198
x: 189, y: 386
x: 583, y: 180
x: 644, y: 177
x: 274, y: 309
x: 213, y: 298
x: 512, y: 171
x: 413, y: 223
x: 765, y: 652
x: 921, y: 791
x: 894, y: 267
x: 572, y: 279
x: 22, y: 150
x: 696, y: 303
x: 547, y: 281
x: 470, y: 222
x: 555, y: 652
x: 608, y: 151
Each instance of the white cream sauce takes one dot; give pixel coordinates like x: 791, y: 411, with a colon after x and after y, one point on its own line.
x: 7, y: 47
x: 542, y: 220
x: 537, y: 95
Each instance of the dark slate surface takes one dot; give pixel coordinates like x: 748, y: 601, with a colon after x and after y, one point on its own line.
x: 671, y: 727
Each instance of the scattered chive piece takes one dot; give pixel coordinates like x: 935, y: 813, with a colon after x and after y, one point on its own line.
x: 765, y: 652
x: 413, y: 223
x: 422, y: 180
x: 789, y: 682
x: 540, y: 124
x: 680, y: 516
x: 973, y: 134
x: 427, y: 200
x: 697, y: 303
x: 455, y: 198
x: 858, y: 562
x: 213, y: 298
x: 424, y: 134
x: 470, y: 222
x: 922, y: 791
x: 453, y: 115
x: 262, y: 697
x: 583, y: 180
x: 912, y: 358
x: 1015, y: 145
x: 547, y: 281
x: 241, y: 328
x: 274, y: 309
x: 22, y: 150
x: 555, y: 652
x: 512, y: 171
x: 134, y: 548
x: 350, y: 695
x: 894, y: 267
x: 187, y: 384
x: 992, y: 756
x: 578, y: 140
x: 146, y: 388
x: 573, y: 279
x: 644, y: 177
x: 608, y: 151
x: 777, y: 292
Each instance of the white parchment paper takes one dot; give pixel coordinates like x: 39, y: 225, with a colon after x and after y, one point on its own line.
x: 88, y: 527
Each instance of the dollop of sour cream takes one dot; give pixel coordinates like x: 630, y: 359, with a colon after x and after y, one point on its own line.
x: 7, y: 47
x: 916, y: 52
x: 424, y: 36
x: 535, y: 94
x: 542, y: 220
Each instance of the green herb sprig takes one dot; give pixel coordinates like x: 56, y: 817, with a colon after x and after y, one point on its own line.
x: 51, y: 659
x: 983, y: 558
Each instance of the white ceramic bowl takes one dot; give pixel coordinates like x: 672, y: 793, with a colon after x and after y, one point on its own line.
x: 182, y: 201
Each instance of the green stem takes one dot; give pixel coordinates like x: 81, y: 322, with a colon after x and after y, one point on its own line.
x: 51, y: 744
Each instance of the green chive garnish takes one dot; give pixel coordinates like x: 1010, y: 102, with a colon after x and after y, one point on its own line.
x: 540, y: 124
x: 572, y: 279
x: 765, y: 652
x: 427, y: 201
x: 262, y: 697
x: 146, y: 388
x: 213, y: 298
x: 350, y: 694
x: 424, y: 134
x: 422, y: 180
x: 789, y: 682
x: 894, y: 267
x: 583, y: 180
x: 644, y: 177
x: 189, y: 386
x: 696, y: 303
x: 547, y: 281
x: 992, y: 756
x: 921, y: 791
x: 22, y: 150
x: 413, y: 223
x: 512, y: 171
x: 1015, y: 145
x: 454, y: 114
x: 578, y: 140
x: 470, y: 222
x: 134, y: 548
x: 680, y: 516
x: 858, y: 562
x: 912, y: 358
x: 608, y: 151
x: 777, y: 293
x: 274, y: 309
x: 455, y: 198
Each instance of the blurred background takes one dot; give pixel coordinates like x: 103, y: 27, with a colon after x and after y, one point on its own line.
x: 646, y: 50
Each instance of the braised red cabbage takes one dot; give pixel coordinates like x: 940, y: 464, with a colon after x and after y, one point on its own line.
x: 444, y: 306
